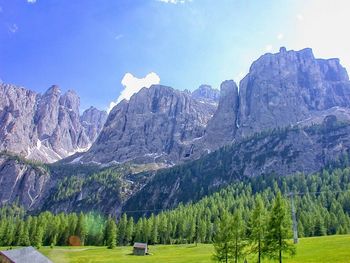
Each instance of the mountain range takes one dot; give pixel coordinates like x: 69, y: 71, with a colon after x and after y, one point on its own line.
x: 46, y: 127
x: 289, y: 114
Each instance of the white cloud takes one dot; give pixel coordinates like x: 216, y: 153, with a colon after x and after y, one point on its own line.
x: 300, y: 17
x: 13, y: 28
x: 133, y: 85
x: 174, y: 1
x: 31, y: 1
x: 280, y: 36
x: 268, y: 48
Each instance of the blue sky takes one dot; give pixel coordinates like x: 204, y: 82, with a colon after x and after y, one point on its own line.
x: 90, y: 45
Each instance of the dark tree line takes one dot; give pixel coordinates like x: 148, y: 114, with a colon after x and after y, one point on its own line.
x: 322, y: 202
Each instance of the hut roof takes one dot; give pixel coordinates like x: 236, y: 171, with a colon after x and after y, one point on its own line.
x: 25, y: 255
x: 140, y: 245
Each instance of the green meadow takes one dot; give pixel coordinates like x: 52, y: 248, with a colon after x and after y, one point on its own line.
x: 316, y: 249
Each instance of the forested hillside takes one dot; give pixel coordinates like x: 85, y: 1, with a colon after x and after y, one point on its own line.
x: 322, y: 202
x: 280, y: 151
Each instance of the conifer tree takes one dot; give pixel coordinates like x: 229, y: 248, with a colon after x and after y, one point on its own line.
x: 38, y: 237
x: 238, y: 235
x: 81, y: 230
x: 122, y: 229
x: 279, y: 230
x: 257, y: 228
x: 154, y: 232
x: 111, y: 233
x: 129, y: 230
x: 222, y: 240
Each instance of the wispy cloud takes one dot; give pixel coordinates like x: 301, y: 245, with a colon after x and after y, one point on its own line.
x: 268, y: 47
x: 133, y: 85
x: 13, y: 28
x: 174, y: 1
x: 300, y: 17
x: 280, y: 36
x: 117, y: 37
x: 31, y: 1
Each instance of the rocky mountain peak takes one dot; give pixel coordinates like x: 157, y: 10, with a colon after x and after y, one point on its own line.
x: 43, y: 127
x: 71, y: 101
x: 157, y: 124
x: 54, y: 89
x: 284, y: 88
x: 221, y: 128
x: 207, y: 94
x: 93, y: 120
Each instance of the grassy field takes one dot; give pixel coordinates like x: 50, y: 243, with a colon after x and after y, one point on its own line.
x: 318, y: 249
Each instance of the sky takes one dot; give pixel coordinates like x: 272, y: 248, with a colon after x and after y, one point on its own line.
x: 107, y: 50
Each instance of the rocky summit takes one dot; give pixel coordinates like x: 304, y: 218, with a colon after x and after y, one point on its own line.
x: 206, y: 94
x: 158, y: 124
x: 169, y: 126
x: 285, y: 88
x: 45, y: 127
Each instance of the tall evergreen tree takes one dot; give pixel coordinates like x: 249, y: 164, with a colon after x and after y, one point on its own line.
x: 129, y: 230
x: 81, y: 230
x: 257, y: 228
x: 222, y: 240
x: 279, y: 230
x: 38, y: 237
x: 122, y: 230
x: 111, y: 233
x: 238, y: 235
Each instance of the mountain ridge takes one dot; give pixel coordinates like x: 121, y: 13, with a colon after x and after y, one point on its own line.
x: 45, y: 127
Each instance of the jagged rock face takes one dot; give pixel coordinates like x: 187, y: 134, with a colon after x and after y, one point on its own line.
x: 42, y: 127
x: 22, y: 183
x: 17, y: 108
x: 222, y: 128
x: 283, y: 89
x: 93, y: 121
x: 59, y: 127
x: 290, y: 86
x: 157, y: 124
x: 206, y: 94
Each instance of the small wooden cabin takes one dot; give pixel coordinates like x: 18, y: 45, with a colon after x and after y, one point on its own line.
x: 23, y: 255
x: 140, y: 249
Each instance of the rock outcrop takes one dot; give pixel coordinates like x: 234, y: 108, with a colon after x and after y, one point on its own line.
x: 290, y: 86
x: 22, y: 183
x: 222, y: 127
x: 93, y: 120
x: 206, y: 94
x: 17, y: 111
x: 158, y: 124
x: 44, y: 127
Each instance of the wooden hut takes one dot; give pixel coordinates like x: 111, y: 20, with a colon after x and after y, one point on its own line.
x: 23, y: 255
x: 140, y: 249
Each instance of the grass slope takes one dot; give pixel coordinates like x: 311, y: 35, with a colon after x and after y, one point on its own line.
x: 316, y: 249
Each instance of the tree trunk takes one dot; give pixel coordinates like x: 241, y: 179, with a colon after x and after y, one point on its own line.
x: 280, y: 249
x: 236, y: 251
x: 259, y: 251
